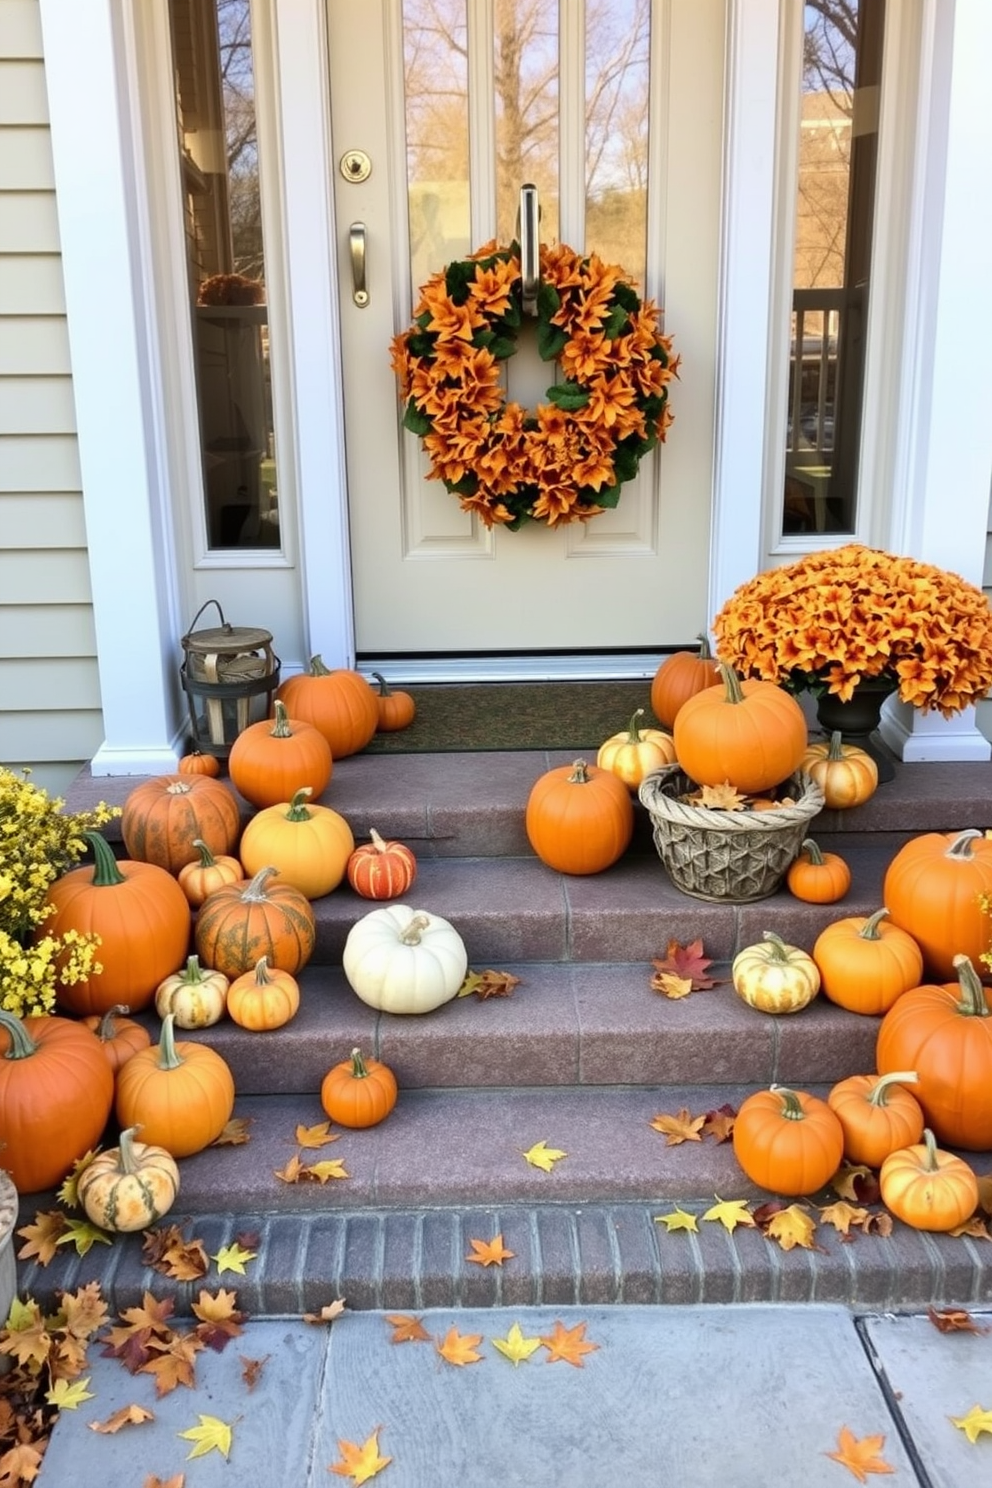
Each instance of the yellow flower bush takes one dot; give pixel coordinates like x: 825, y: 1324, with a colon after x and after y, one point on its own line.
x: 839, y: 616
x: 568, y: 460
x: 39, y: 842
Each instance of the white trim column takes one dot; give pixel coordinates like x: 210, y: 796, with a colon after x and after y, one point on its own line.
x: 129, y: 539
x: 943, y: 518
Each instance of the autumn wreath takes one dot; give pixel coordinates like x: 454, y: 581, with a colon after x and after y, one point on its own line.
x: 567, y: 461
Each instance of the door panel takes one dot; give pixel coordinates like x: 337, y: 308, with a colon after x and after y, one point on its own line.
x: 455, y: 106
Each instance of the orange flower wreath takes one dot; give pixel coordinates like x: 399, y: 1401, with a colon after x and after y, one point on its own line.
x: 568, y: 460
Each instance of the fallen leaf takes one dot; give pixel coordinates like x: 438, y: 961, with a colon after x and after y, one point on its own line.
x: 66, y: 1396
x: 20, y: 1465
x: 985, y: 1192
x: 329, y: 1312
x: 83, y: 1235
x: 974, y: 1227
x: 792, y: 1227
x: 719, y: 1124
x: 687, y: 961
x: 360, y: 1463
x: 316, y: 1136
x: 843, y: 1215
x: 83, y: 1312
x: 128, y: 1415
x: 292, y: 1171
x: 331, y: 1167
x: 469, y: 985
x: 407, y: 1329
x: 42, y: 1236
x: 172, y: 1361
x: 490, y: 984
x: 178, y: 1480
x: 954, y: 1320
x: 233, y: 1258
x: 515, y: 1346
x: 683, y: 1127
x: 459, y: 1348
x: 235, y: 1132
x: 68, y: 1191
x: 543, y: 1156
x: 672, y: 986
x: 725, y: 797
x: 568, y: 1345
x: 212, y: 1435
x: 489, y: 1252
x: 220, y: 1320
x: 976, y: 1421
x: 677, y: 1220
x: 857, y: 1183
x: 730, y: 1213
x: 251, y: 1370
x: 167, y: 1250
x: 878, y: 1223
x: 860, y: 1457
x: 26, y: 1337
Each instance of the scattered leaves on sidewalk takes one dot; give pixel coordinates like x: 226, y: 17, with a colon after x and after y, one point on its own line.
x: 682, y: 1127
x: 407, y: 1329
x: 677, y: 1220
x: 489, y: 1252
x: 328, y: 1313
x: 168, y: 1251
x: 233, y: 1258
x: 236, y: 1132
x: 172, y: 1361
x: 220, y: 1320
x: 42, y: 1237
x: 488, y: 984
x: 251, y: 1370
x: 66, y: 1395
x: 974, y: 1423
x: 360, y: 1463
x: 860, y: 1456
x: 730, y: 1213
x: 954, y: 1320
x: 685, y: 963
x: 128, y: 1415
x: 459, y: 1348
x: 542, y: 1156
x: 316, y: 1136
x: 515, y: 1346
x: 212, y: 1435
x: 568, y: 1344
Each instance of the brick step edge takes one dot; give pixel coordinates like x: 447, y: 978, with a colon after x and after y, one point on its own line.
x: 587, y: 1255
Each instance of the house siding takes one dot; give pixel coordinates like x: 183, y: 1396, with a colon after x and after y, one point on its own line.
x: 51, y: 719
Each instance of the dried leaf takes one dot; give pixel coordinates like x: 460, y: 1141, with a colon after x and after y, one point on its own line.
x: 730, y: 1213
x: 360, y: 1463
x: 459, y: 1348
x: 515, y: 1346
x: 172, y: 1361
x: 684, y: 1127
x: 329, y: 1312
x: 792, y: 1226
x: 879, y: 1223
x: 235, y: 1133
x: 128, y: 1415
x: 233, y: 1258
x: 212, y: 1435
x: 316, y: 1136
x: 26, y: 1337
x: 985, y: 1193
x: 843, y: 1215
x: 83, y: 1235
x: 178, y: 1480
x: 320, y: 1172
x: 719, y: 1124
x: 407, y: 1329
x: 860, y: 1457
x: 857, y: 1183
x: 252, y: 1369
x: 974, y: 1227
x: 42, y: 1236
x: 20, y: 1465
x: 220, y: 1320
x: 292, y: 1171
x: 543, y: 1156
x: 568, y: 1344
x: 954, y: 1320
x: 68, y: 1192
x: 686, y: 961
x: 677, y: 1220
x: 168, y: 1251
x: 469, y: 985
x: 69, y: 1396
x: 495, y: 984
x: 974, y: 1423
x: 489, y: 1252
x: 672, y: 986
x: 725, y: 797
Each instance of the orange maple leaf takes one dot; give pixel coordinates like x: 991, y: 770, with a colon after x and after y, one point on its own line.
x: 172, y: 1361
x: 568, y: 1344
x: 360, y: 1462
x: 328, y: 1312
x: 681, y: 1128
x: 489, y: 1252
x: 235, y: 1133
x: 154, y: 1481
x: 407, y: 1329
x: 687, y: 961
x: 719, y: 1124
x: 459, y: 1348
x: 220, y: 1320
x: 128, y: 1415
x: 252, y: 1369
x: 860, y: 1456
x: 954, y: 1320
x: 42, y: 1236
x: 21, y: 1464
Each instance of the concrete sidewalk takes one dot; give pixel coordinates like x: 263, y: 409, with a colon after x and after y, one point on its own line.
x: 670, y: 1397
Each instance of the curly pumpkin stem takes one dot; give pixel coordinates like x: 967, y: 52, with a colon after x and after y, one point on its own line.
x: 298, y: 805
x: 580, y: 773
x: 384, y: 688
x: 317, y: 667
x: 733, y: 691
x: 255, y: 891
x: 961, y: 846
x: 633, y: 731
x: 106, y: 873
x: 105, y: 1028
x: 778, y: 950
x: 929, y: 1163
x: 207, y: 859
x: 869, y: 930
x: 411, y: 935
x: 878, y: 1095
x: 812, y: 851
x: 281, y: 729
x: 22, y: 1045
x: 973, y: 1002
x: 791, y: 1109
x: 262, y: 977
x: 168, y: 1055
x: 705, y: 654
x: 359, y: 1069
x: 127, y: 1161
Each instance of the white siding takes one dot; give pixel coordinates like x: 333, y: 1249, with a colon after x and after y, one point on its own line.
x: 51, y: 718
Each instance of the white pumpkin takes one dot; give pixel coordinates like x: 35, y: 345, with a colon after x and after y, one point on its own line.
x: 403, y: 960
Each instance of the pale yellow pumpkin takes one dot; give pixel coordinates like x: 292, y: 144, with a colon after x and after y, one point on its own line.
x: 636, y: 752
x: 774, y: 977
x: 128, y: 1187
x: 196, y: 997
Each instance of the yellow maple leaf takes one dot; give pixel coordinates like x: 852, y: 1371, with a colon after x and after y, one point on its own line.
x: 489, y: 1252
x: 792, y: 1227
x: 860, y: 1456
x: 515, y: 1346
x: 233, y: 1258
x: 316, y: 1136
x: 292, y: 1171
x: 128, y: 1415
x: 543, y: 1156
x: 976, y: 1421
x: 42, y: 1236
x: 83, y: 1235
x: 66, y: 1396
x: 235, y: 1132
x: 673, y: 987
x: 212, y: 1435
x: 843, y: 1215
x: 26, y: 1336
x: 844, y: 1181
x: 725, y: 797
x: 331, y: 1167
x: 677, y: 1220
x: 683, y: 1127
x: 459, y: 1348
x: 68, y: 1193
x: 360, y: 1463
x: 730, y: 1213
x: 468, y: 986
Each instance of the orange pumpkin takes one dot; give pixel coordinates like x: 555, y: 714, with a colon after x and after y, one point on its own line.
x: 242, y: 922
x: 180, y: 1094
x: 928, y: 1189
x: 751, y: 733
x: 579, y: 818
x: 309, y: 845
x: 380, y: 869
x: 878, y: 1115
x: 119, y: 1035
x: 263, y: 999
x: 56, y: 1092
x: 141, y: 916
x: 340, y: 703
x: 933, y: 888
x: 196, y: 763
x: 866, y: 962
x: 202, y: 877
x: 162, y: 819
x: 944, y: 1033
x: 847, y: 775
x: 679, y: 677
x: 358, y: 1092
x: 787, y: 1141
x: 270, y: 760
x: 817, y: 877
x: 635, y: 753
x: 397, y: 710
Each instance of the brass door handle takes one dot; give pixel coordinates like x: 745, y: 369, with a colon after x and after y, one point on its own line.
x: 356, y: 244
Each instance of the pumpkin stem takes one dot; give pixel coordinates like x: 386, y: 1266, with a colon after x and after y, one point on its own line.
x: 930, y: 1163
x: 705, y: 654
x: 194, y: 972
x: 812, y: 851
x: 317, y: 667
x: 298, y: 805
x: 791, y: 1109
x: 878, y: 1095
x: 411, y: 935
x: 262, y: 977
x: 731, y: 683
x: 779, y: 949
x: 207, y: 859
x: 961, y: 846
x: 255, y: 891
x: 836, y: 751
x: 22, y: 1045
x: 384, y: 688
x: 106, y: 873
x: 973, y: 1003
x: 106, y: 1026
x: 870, y: 930
x: 633, y: 731
x: 181, y: 786
x: 376, y: 841
x: 168, y: 1055
x: 359, y: 1069
x: 127, y: 1160
x: 282, y: 729
x: 580, y: 773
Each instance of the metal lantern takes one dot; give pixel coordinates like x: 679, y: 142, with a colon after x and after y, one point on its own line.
x: 229, y: 674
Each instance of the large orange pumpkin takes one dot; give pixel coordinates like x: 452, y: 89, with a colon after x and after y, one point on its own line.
x: 933, y: 888
x: 787, y: 1141
x: 243, y: 922
x: 751, y: 733
x: 579, y: 818
x: 340, y: 703
x: 272, y: 759
x: 162, y: 819
x: 56, y: 1091
x: 180, y: 1094
x: 866, y: 962
x: 944, y: 1033
x: 309, y: 845
x: 878, y: 1115
x: 927, y: 1188
x: 679, y: 677
x: 141, y: 916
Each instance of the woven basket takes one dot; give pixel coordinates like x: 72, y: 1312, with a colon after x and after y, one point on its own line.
x: 726, y: 855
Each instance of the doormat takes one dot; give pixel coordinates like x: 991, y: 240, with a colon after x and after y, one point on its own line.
x: 516, y: 715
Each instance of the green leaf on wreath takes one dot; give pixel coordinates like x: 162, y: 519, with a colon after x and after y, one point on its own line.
x: 503, y: 347
x: 615, y: 323
x: 418, y: 423
x: 551, y: 341
x: 421, y: 345
x: 625, y: 461
x: 568, y: 396
x: 609, y: 496
x: 548, y: 301
x: 467, y: 486
x: 511, y: 316
x: 627, y: 297
x: 457, y: 278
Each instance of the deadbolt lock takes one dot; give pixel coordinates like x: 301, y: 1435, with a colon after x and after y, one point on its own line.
x: 356, y: 166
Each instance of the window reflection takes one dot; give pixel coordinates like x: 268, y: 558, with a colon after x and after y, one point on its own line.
x: 618, y: 36
x: 215, y: 106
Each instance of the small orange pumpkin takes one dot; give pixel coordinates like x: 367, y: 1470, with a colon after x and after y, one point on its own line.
x: 579, y: 818
x: 381, y: 870
x: 787, y: 1141
x: 397, y: 710
x: 928, y: 1189
x: 817, y: 877
x: 847, y: 775
x: 635, y: 753
x: 866, y: 962
x: 340, y: 703
x: 119, y: 1035
x: 180, y: 1094
x: 242, y: 922
x: 934, y: 887
x: 197, y: 763
x: 264, y: 998
x: 270, y: 760
x: 358, y: 1092
x: 751, y: 733
x: 878, y: 1115
x: 679, y: 677
x: 202, y: 877
x: 162, y: 819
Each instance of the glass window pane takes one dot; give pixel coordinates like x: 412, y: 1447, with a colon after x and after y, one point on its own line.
x: 526, y: 82
x: 435, y: 52
x: 215, y: 106
x: 618, y: 38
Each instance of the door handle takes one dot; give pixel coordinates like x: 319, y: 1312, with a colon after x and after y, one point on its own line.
x: 356, y: 244
x: 530, y: 270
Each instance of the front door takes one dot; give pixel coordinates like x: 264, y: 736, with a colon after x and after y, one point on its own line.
x: 441, y: 111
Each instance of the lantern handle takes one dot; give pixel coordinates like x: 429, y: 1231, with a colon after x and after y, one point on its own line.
x: 200, y: 611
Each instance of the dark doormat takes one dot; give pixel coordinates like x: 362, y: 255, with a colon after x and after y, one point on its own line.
x: 516, y: 715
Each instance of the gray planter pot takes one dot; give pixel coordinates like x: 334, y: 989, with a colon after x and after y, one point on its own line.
x: 8, y: 1219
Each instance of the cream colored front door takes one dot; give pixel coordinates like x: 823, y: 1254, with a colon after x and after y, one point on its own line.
x: 441, y: 110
